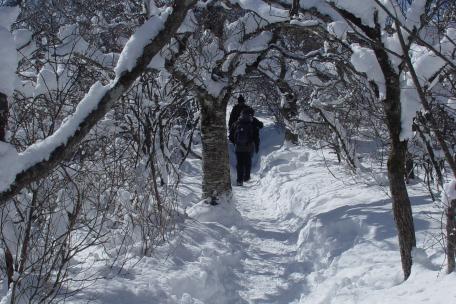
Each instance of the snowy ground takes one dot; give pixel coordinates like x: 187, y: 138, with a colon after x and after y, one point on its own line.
x: 296, y: 233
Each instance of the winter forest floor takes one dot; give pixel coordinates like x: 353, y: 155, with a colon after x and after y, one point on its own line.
x: 296, y: 233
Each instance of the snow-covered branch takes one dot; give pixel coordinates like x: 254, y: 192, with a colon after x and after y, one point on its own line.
x: 40, y: 158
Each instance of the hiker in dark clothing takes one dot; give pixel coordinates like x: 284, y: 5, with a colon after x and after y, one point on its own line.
x: 243, y: 132
x: 257, y: 124
x: 237, y: 109
x: 234, y: 116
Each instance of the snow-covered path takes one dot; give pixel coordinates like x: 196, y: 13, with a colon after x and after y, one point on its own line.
x: 296, y: 233
x: 269, y: 270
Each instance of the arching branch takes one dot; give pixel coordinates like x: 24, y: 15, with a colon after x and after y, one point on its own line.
x: 42, y: 168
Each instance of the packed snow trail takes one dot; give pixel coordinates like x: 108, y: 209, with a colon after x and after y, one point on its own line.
x: 296, y: 233
x: 269, y: 270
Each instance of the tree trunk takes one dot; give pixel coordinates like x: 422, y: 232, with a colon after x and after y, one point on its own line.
x: 451, y: 235
x: 401, y: 204
x: 294, y: 11
x: 9, y: 260
x: 3, y: 116
x: 402, y: 208
x: 9, y: 263
x: 216, y: 168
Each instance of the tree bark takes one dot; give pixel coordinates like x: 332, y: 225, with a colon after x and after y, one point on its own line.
x: 3, y: 115
x: 402, y: 208
x: 451, y: 235
x: 216, y: 168
x: 9, y: 260
x: 294, y: 11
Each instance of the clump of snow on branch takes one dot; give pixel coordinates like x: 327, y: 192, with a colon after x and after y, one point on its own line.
x: 266, y: 11
x: 42, y: 150
x: 8, y: 62
x: 244, y: 25
x: 449, y: 192
x: 8, y: 53
x: 410, y: 104
x: 339, y: 29
x: 365, y: 61
x: 8, y: 15
x: 189, y: 25
x: 255, y: 45
x: 427, y: 64
x: 152, y: 8
x: 451, y: 103
x: 24, y: 42
x: 73, y: 42
x: 394, y: 46
x: 258, y: 43
x: 8, y: 157
x: 135, y: 45
x: 414, y: 14
x: 247, y: 24
x: 410, y: 21
x: 304, y: 23
x: 52, y: 77
x: 365, y: 10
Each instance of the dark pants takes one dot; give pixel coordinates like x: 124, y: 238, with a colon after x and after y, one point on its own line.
x: 243, y: 166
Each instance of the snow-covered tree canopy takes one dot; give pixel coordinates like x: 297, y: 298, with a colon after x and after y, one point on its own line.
x: 245, y: 38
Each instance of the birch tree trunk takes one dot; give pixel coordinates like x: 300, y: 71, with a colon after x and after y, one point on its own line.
x: 216, y: 168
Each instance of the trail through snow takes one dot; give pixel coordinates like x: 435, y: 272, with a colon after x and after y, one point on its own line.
x: 269, y: 269
x: 296, y: 233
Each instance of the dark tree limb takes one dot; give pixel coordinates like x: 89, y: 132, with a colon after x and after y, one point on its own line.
x: 294, y: 11
x: 345, y: 148
x: 430, y: 150
x: 3, y: 116
x: 451, y: 235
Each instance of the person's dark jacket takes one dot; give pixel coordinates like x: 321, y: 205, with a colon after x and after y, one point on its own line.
x: 257, y: 124
x: 245, y: 120
x: 236, y: 112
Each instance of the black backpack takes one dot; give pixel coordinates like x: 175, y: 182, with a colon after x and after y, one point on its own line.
x: 244, y: 133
